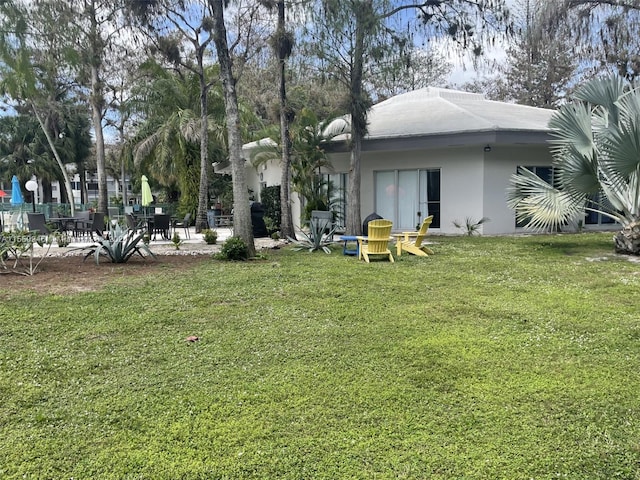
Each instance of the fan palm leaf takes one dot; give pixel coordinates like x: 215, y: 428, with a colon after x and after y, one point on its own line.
x: 539, y: 203
x: 596, y: 159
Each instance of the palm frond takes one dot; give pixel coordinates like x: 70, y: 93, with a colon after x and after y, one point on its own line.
x: 539, y: 204
x: 571, y: 128
x: 623, y: 149
x: 605, y: 92
x: 144, y: 148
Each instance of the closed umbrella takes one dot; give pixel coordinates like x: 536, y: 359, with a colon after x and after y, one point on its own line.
x: 147, y: 198
x: 2, y: 194
x: 16, y: 193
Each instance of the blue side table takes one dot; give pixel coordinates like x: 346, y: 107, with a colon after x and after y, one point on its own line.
x: 350, y: 239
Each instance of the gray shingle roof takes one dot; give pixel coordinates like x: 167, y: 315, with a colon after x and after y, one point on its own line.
x: 438, y: 111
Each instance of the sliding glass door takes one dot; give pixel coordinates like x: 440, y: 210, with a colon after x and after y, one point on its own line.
x: 406, y: 197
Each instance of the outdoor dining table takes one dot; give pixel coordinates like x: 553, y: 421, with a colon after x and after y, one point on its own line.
x: 148, y: 220
x: 63, y: 223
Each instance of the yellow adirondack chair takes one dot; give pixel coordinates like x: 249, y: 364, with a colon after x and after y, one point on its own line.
x: 377, y: 243
x: 411, y: 242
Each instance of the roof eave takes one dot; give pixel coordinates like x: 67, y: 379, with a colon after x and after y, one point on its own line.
x: 439, y: 140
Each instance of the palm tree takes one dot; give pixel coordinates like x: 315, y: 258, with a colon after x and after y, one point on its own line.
x: 25, y: 150
x: 596, y: 162
x: 309, y: 137
x: 168, y: 143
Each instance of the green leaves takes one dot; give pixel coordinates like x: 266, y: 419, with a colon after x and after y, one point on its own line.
x: 118, y: 245
x: 319, y: 237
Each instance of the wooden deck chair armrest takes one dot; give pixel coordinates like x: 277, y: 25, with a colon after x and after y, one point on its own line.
x: 405, y: 236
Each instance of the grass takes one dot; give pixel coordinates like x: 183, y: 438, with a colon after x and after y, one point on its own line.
x: 512, y: 358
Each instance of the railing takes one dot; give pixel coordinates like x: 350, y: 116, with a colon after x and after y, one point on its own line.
x: 12, y: 217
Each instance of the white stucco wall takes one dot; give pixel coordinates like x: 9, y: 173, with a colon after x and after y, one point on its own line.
x: 473, y: 182
x: 499, y: 165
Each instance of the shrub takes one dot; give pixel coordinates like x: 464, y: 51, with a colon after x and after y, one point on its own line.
x: 176, y: 240
x: 210, y: 236
x: 470, y: 227
x: 63, y: 239
x: 234, y: 249
x: 15, y: 245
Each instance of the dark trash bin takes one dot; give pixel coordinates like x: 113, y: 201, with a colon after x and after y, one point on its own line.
x: 257, y: 220
x: 365, y: 224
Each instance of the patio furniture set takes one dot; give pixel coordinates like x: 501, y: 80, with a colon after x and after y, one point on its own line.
x: 376, y: 242
x: 83, y: 224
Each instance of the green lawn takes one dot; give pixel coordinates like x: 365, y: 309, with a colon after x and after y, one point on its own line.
x: 514, y: 358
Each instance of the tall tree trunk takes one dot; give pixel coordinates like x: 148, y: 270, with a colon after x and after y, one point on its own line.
x: 47, y: 194
x: 123, y: 178
x: 84, y: 191
x: 354, y: 223
x: 96, y: 115
x: 241, y: 209
x: 286, y: 218
x: 63, y: 169
x: 96, y: 49
x: 358, y: 125
x: 203, y: 191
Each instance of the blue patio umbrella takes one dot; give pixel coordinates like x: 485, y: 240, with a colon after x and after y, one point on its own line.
x: 16, y: 193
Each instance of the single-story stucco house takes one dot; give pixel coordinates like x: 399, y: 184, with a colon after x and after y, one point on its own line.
x: 437, y: 152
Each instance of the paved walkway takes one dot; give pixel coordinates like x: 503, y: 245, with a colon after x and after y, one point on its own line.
x: 194, y: 245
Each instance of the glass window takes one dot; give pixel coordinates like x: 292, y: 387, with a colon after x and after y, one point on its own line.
x: 596, y: 218
x: 406, y: 197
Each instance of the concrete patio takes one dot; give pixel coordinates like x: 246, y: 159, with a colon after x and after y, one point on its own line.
x: 194, y: 245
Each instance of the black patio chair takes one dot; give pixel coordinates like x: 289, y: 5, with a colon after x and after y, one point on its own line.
x: 161, y: 225
x: 95, y: 224
x: 183, y: 224
x: 37, y: 223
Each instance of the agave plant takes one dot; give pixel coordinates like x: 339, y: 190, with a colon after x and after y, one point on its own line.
x: 320, y: 236
x: 119, y: 244
x: 596, y: 160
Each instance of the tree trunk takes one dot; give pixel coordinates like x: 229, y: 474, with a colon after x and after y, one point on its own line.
x: 96, y: 50
x: 96, y: 115
x: 286, y: 216
x: 354, y: 224
x: 203, y: 191
x: 123, y: 177
x: 358, y: 112
x: 84, y: 192
x: 63, y: 169
x: 47, y: 194
x: 627, y: 241
x: 241, y: 208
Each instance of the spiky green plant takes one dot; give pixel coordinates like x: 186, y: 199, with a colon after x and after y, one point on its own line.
x: 319, y: 237
x: 119, y: 244
x: 470, y: 226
